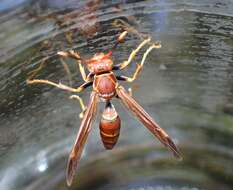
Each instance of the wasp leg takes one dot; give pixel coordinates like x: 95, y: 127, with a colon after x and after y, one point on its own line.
x: 126, y: 26
x: 120, y: 39
x: 67, y: 70
x: 69, y: 37
x: 60, y: 85
x: 83, y: 107
x: 130, y: 92
x: 132, y: 55
x: 75, y: 55
x: 139, y: 66
x: 70, y: 53
x: 131, y: 79
x: 85, y: 77
x: 34, y: 72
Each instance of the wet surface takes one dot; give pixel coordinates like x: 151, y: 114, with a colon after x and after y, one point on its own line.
x: 186, y: 86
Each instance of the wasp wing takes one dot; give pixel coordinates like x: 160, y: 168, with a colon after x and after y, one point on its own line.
x: 81, y: 138
x: 147, y: 120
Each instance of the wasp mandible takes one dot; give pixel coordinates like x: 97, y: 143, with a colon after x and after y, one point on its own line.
x: 105, y: 87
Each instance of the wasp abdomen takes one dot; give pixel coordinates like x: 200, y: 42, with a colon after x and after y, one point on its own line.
x: 109, y: 126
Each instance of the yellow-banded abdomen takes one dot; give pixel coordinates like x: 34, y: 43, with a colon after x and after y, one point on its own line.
x: 109, y: 126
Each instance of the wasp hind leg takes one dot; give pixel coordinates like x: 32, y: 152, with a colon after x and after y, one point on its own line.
x: 130, y: 91
x: 83, y: 107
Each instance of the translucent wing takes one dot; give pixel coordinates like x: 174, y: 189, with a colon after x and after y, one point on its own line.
x: 147, y: 120
x: 81, y: 138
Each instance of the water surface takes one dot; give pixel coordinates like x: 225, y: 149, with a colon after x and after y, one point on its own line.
x: 186, y: 86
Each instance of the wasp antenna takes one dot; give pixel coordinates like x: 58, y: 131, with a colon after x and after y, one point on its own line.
x: 70, y: 53
x: 121, y: 38
x: 63, y: 53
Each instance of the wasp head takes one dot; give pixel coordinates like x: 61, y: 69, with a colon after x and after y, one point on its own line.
x: 100, y: 63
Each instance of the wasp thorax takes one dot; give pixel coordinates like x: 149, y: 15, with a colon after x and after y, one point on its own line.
x: 105, y: 85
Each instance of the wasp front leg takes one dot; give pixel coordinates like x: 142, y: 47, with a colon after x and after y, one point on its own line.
x: 67, y: 70
x: 139, y: 66
x: 83, y: 107
x: 85, y: 77
x: 132, y: 55
x: 120, y: 39
x: 75, y: 55
x: 130, y: 79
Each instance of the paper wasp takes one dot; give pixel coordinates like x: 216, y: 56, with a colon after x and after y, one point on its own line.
x: 105, y: 87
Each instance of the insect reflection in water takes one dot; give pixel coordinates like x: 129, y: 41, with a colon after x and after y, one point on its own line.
x: 105, y: 86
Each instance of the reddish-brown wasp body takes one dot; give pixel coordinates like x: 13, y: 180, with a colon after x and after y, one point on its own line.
x: 100, y: 63
x: 110, y: 124
x: 105, y: 87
